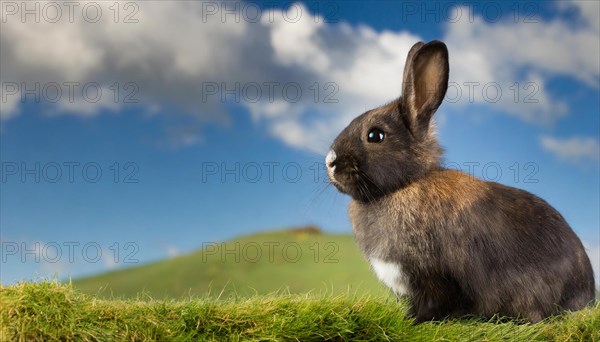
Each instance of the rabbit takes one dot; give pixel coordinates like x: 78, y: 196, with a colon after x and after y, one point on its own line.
x: 453, y: 244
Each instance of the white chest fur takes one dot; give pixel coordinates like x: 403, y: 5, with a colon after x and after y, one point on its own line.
x: 391, y: 275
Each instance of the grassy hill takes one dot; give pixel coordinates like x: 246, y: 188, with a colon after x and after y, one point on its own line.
x: 57, y: 312
x: 297, y: 260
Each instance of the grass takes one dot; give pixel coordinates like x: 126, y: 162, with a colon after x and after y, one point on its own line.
x: 329, y: 263
x: 50, y: 311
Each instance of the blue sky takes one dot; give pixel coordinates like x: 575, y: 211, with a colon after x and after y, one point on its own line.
x: 171, y: 146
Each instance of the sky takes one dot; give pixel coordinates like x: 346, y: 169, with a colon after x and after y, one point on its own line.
x: 139, y: 131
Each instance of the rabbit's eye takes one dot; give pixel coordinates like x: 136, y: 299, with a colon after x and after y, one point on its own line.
x: 375, y: 135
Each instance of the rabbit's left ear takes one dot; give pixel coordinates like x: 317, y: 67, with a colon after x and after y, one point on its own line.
x: 425, y: 83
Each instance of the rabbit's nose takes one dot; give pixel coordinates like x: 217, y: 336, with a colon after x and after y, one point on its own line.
x: 330, y: 158
x: 330, y: 163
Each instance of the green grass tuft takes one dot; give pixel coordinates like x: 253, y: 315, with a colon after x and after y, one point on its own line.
x: 50, y: 311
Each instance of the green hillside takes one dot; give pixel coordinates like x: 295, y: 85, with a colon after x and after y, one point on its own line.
x: 298, y: 261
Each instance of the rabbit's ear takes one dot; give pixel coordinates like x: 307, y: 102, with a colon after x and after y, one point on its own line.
x: 411, y: 54
x: 425, y: 82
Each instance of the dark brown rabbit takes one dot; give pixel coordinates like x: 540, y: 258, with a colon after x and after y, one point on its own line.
x: 454, y: 244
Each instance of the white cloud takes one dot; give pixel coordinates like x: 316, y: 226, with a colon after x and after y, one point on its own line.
x: 357, y: 68
x: 297, y: 42
x: 50, y: 259
x: 573, y: 149
x: 168, y: 62
x: 502, y: 52
x: 175, y: 50
x: 179, y: 136
x: 9, y: 106
x: 172, y: 251
x: 109, y: 259
x: 589, y: 10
